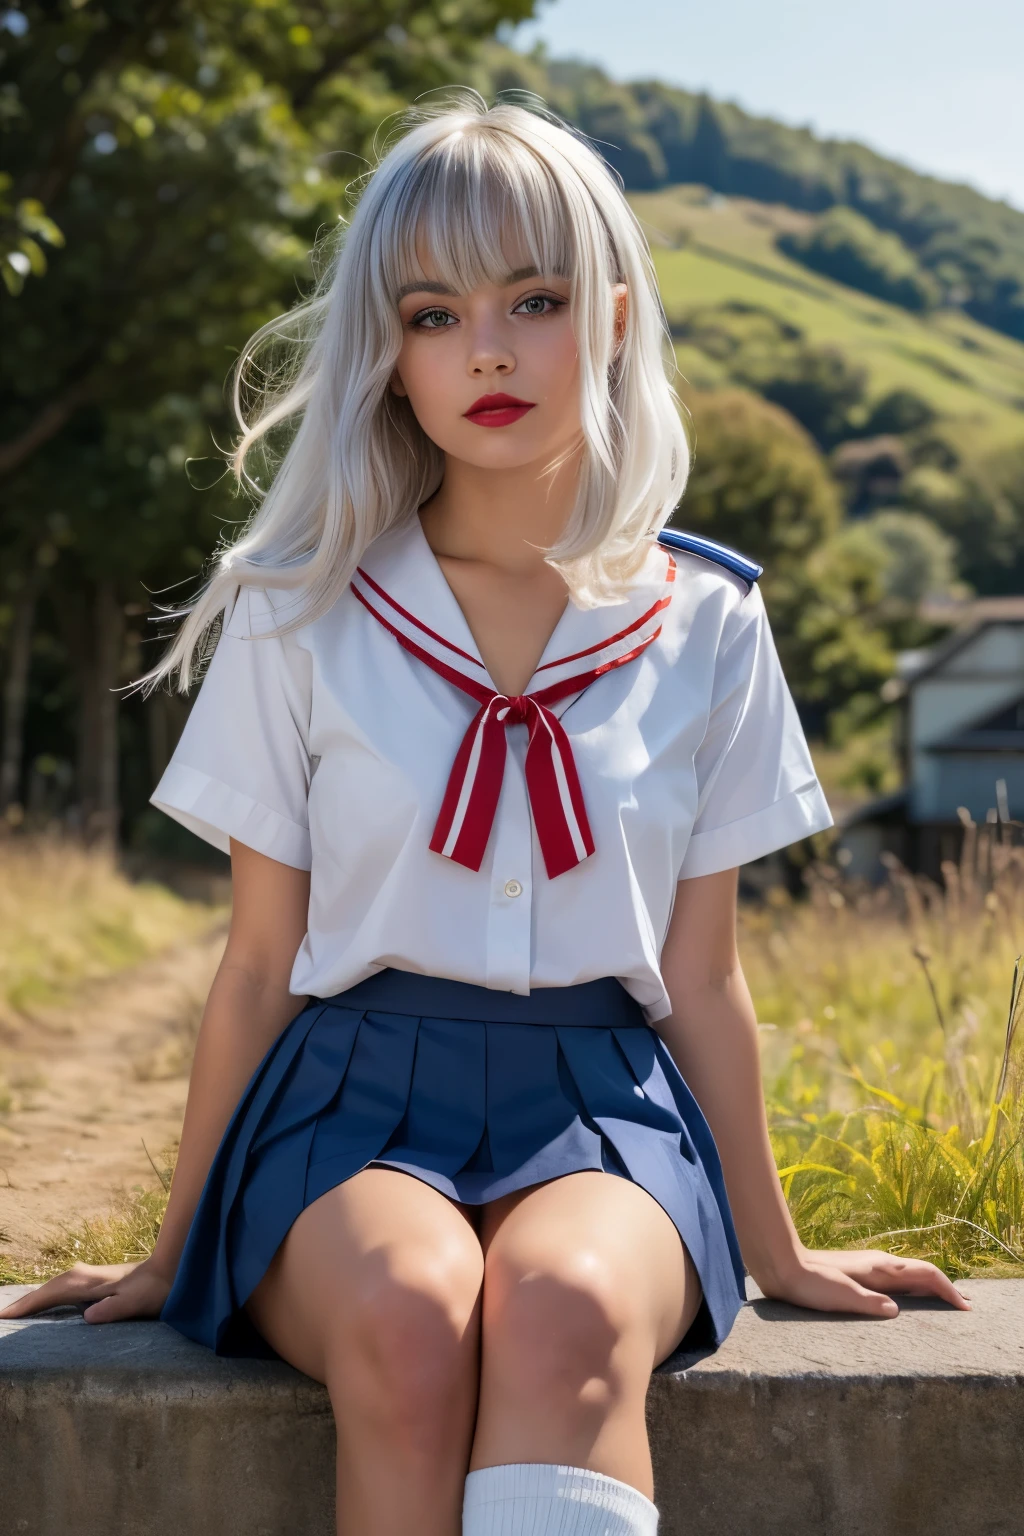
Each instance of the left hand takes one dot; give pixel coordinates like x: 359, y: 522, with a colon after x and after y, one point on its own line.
x: 859, y: 1280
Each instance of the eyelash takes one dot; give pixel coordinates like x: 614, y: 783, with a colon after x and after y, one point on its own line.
x: 435, y: 309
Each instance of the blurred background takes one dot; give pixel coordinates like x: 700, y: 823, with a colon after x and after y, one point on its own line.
x: 835, y: 201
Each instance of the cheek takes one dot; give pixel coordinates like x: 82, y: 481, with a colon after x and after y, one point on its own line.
x: 558, y: 364
x: 557, y: 354
x: 430, y: 375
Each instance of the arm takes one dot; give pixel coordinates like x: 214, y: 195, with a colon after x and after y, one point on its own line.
x: 712, y: 1036
x: 248, y: 1006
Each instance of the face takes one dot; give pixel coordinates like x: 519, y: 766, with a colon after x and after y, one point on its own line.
x: 492, y: 376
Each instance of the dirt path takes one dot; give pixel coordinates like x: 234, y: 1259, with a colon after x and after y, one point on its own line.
x: 88, y: 1085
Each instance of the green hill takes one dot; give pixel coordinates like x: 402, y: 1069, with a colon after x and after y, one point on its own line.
x: 716, y: 253
x: 969, y: 248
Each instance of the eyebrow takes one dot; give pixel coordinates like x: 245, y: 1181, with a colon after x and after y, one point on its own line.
x: 518, y: 276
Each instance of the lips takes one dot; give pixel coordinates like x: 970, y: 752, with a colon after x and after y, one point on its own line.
x: 498, y: 410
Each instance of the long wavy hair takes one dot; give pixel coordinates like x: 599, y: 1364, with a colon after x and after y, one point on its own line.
x: 332, y: 457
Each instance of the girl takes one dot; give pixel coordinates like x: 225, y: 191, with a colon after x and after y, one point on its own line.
x: 486, y: 754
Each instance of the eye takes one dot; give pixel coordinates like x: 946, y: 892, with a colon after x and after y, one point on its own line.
x: 534, y: 304
x: 433, y: 319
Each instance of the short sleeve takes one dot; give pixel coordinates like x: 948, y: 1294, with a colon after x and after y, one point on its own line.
x: 241, y: 767
x: 757, y: 788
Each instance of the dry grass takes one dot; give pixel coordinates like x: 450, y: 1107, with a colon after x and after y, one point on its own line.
x: 125, y: 1235
x: 69, y: 915
x: 892, y: 1057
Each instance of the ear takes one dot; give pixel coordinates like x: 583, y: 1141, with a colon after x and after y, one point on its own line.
x: 620, y: 295
x: 396, y: 386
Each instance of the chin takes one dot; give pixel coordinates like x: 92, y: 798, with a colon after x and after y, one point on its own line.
x: 499, y: 455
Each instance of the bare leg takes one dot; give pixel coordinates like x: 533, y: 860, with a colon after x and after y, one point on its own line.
x: 587, y: 1287
x: 376, y: 1292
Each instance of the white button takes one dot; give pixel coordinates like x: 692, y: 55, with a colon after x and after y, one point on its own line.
x: 513, y: 888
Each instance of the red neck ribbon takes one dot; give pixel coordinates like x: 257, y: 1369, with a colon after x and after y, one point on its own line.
x: 471, y: 798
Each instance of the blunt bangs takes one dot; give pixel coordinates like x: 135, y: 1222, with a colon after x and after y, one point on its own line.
x: 476, y: 206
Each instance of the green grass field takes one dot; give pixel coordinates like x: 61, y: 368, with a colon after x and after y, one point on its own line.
x: 711, y: 251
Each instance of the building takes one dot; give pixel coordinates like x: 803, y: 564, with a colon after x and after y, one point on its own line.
x: 961, y: 739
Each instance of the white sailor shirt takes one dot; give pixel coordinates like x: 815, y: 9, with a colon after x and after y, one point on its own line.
x: 348, y: 748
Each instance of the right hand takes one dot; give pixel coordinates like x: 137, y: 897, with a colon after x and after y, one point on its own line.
x: 110, y: 1293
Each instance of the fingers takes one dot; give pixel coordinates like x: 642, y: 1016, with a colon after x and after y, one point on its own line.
x: 110, y: 1309
x: 913, y: 1277
x: 920, y: 1279
x: 887, y: 1272
x: 83, y: 1283
x: 866, y: 1302
x: 61, y: 1291
x: 838, y: 1292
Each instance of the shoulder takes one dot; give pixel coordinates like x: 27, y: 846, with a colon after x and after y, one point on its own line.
x: 256, y: 611
x: 710, y: 551
x: 717, y: 612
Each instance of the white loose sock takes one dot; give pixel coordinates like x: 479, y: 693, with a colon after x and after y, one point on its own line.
x: 528, y: 1499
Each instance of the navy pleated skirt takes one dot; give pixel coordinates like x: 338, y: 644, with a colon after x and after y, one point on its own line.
x: 478, y: 1093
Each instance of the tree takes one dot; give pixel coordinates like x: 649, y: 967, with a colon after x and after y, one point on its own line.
x: 846, y: 246
x: 764, y: 352
x: 918, y: 560
x: 981, y: 508
x: 816, y: 384
x: 186, y: 152
x: 897, y: 412
x: 760, y: 484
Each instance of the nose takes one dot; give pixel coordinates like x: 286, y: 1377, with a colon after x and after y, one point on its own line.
x: 490, y: 352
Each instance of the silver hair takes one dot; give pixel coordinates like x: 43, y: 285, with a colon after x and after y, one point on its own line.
x: 463, y: 186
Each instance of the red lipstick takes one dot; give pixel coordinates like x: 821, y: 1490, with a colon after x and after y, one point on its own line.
x: 497, y: 410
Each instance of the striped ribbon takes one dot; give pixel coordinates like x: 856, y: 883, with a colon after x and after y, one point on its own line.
x: 471, y: 798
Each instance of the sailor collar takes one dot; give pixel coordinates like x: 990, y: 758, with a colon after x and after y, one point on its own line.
x: 400, y: 580
x: 401, y: 585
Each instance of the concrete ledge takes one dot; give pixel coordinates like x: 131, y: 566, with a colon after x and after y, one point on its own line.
x: 802, y: 1425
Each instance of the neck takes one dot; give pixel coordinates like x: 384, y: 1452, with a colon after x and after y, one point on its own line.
x: 504, y: 518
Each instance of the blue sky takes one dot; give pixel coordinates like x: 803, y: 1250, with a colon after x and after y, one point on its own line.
x: 938, y: 84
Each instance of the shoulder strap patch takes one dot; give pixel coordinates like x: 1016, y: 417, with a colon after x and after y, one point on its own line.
x: 709, y: 549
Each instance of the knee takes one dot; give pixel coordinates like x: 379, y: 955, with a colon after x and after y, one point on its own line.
x: 406, y: 1353
x: 554, y: 1332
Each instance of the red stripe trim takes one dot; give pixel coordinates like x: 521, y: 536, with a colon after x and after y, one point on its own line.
x: 547, y: 736
x: 468, y: 685
x: 482, y: 801
x: 670, y: 575
x: 583, y: 680
x: 413, y: 619
x: 603, y: 645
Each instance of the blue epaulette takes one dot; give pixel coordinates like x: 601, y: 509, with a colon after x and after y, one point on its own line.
x: 708, y: 549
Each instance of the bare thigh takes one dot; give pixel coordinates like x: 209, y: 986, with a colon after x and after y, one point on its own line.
x: 587, y: 1286
x: 379, y: 1234
x: 376, y: 1292
x: 621, y: 1227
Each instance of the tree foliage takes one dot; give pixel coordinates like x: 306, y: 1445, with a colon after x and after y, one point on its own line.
x: 846, y: 246
x: 918, y: 560
x: 980, y: 506
x: 760, y: 484
x: 816, y: 384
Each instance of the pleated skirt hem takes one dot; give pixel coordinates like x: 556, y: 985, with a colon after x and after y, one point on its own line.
x: 477, y: 1110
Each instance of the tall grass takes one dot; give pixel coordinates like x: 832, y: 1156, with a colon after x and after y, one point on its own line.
x: 892, y: 1057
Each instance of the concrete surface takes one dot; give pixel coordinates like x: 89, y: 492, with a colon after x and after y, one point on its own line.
x: 802, y: 1425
